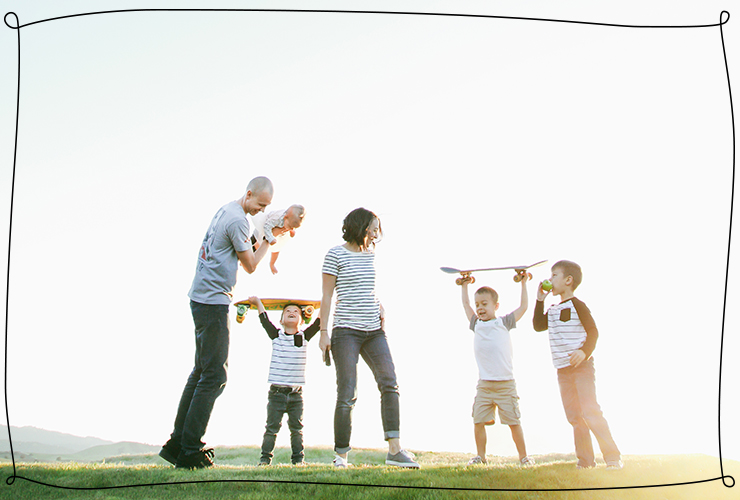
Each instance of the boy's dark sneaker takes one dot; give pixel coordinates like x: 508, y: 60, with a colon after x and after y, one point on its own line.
x: 199, y: 460
x: 170, y: 451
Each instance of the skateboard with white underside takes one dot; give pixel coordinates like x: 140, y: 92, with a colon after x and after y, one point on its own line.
x: 466, y: 274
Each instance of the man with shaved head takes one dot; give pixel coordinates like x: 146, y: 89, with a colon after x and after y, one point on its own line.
x: 225, y: 245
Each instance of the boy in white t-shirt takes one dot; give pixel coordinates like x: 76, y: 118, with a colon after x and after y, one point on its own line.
x: 494, y: 356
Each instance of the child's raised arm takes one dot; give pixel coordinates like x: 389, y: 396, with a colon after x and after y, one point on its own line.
x: 272, y: 332
x: 519, y: 312
x: 469, y: 313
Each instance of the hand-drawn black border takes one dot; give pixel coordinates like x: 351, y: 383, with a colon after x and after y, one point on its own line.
x: 724, y: 18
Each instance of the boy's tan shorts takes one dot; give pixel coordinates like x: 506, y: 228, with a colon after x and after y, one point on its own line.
x: 496, y: 393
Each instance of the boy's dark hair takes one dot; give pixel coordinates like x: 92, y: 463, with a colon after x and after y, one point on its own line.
x: 489, y: 291
x: 355, y: 225
x: 570, y: 269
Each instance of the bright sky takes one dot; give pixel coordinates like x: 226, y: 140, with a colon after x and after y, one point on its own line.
x: 479, y: 142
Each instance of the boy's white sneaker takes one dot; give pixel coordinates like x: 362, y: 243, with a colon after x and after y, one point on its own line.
x: 616, y: 465
x: 402, y: 459
x: 340, y: 462
x: 476, y: 460
x: 527, y: 461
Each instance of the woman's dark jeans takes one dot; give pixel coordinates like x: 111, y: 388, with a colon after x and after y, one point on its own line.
x: 347, y: 345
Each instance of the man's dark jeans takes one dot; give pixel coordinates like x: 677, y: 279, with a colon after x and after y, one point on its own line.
x: 208, y: 378
x: 346, y: 347
x: 282, y: 400
x: 578, y: 392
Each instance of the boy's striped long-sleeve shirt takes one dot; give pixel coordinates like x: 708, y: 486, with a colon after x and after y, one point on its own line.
x: 570, y: 326
x: 288, y: 363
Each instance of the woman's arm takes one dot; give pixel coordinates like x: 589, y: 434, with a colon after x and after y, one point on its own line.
x: 328, y: 283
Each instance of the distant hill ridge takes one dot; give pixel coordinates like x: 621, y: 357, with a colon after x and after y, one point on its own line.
x: 41, y: 438
x: 43, y: 443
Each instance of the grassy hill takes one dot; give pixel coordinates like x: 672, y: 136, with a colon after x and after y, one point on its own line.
x: 443, y: 475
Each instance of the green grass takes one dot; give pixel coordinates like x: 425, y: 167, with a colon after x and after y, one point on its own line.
x: 443, y: 476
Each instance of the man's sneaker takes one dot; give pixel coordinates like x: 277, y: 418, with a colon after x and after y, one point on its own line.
x: 300, y: 464
x: 170, y: 451
x: 476, y: 460
x: 527, y: 461
x: 340, y: 462
x: 616, y: 465
x: 402, y: 459
x: 199, y: 460
x: 263, y: 463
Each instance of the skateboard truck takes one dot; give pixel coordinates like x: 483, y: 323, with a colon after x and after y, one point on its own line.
x: 520, y: 274
x: 465, y: 275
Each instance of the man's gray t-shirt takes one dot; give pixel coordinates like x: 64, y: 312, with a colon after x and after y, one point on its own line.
x: 215, y: 274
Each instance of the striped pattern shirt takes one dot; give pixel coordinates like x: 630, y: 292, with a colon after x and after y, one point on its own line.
x: 288, y: 363
x: 571, y: 327
x: 356, y: 304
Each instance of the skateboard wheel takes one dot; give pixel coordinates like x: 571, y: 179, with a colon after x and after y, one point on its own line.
x: 308, y: 311
x: 517, y: 278
x: 241, y: 310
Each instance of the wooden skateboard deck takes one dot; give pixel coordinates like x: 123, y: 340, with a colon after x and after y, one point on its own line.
x: 467, y: 273
x: 308, y: 307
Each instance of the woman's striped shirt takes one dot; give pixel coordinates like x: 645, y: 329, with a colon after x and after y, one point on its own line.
x: 356, y: 306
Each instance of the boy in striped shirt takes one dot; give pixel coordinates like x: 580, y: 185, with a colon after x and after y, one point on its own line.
x: 286, y: 378
x: 573, y: 336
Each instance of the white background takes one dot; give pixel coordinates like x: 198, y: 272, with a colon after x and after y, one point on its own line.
x: 479, y: 143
